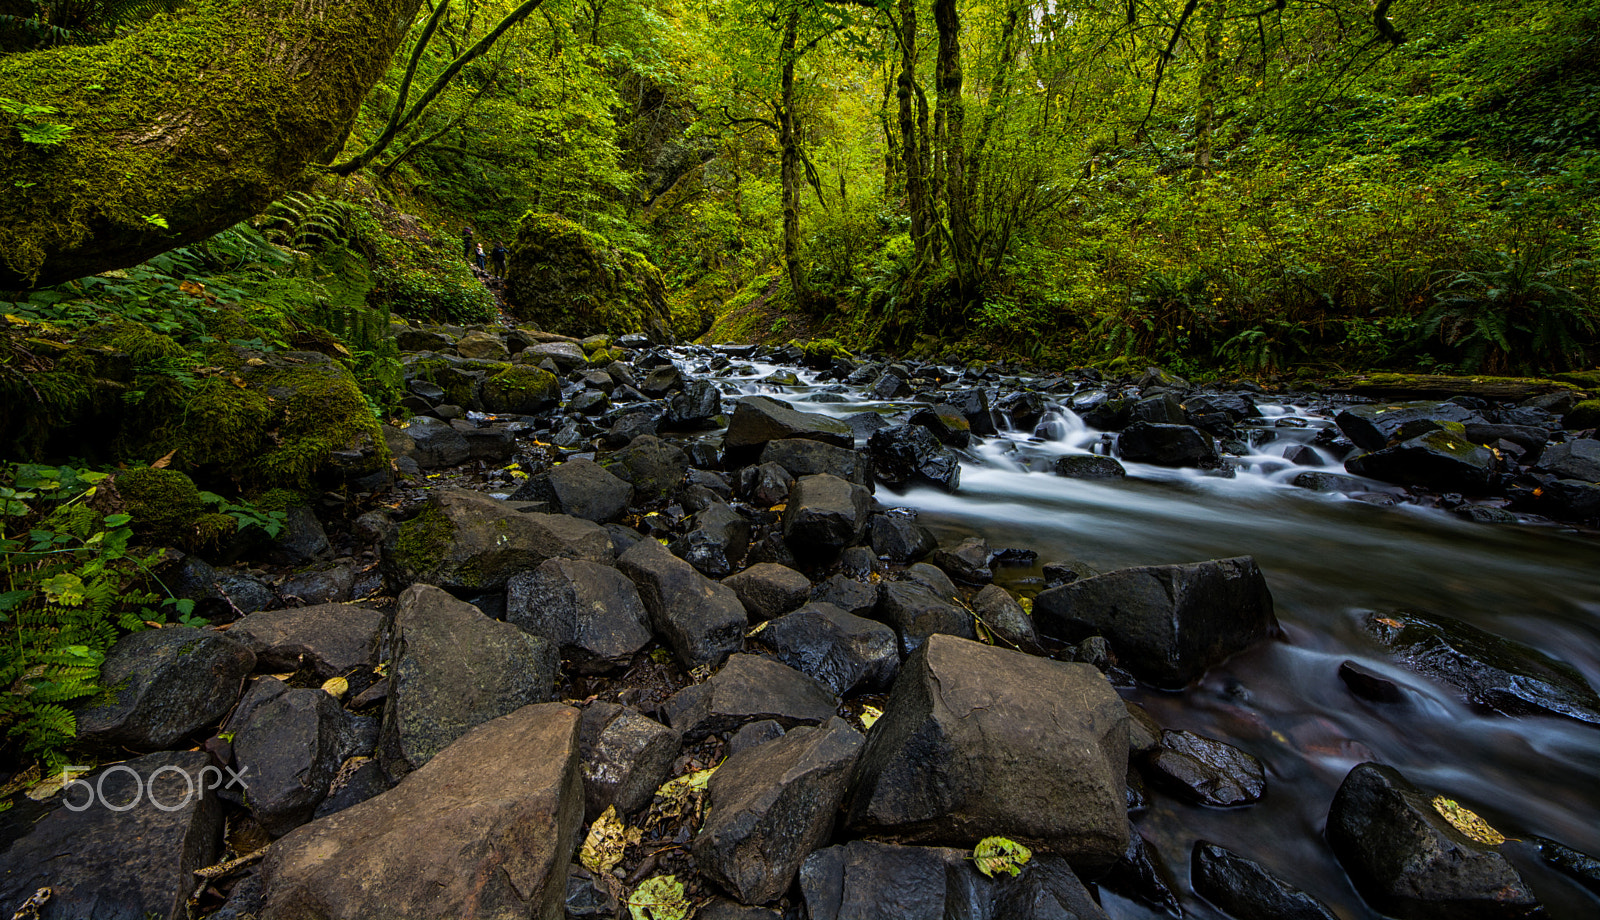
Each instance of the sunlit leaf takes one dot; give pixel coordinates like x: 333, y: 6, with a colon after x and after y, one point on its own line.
x: 998, y: 854
x: 659, y: 898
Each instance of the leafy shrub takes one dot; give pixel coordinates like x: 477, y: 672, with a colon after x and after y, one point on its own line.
x: 1515, y: 308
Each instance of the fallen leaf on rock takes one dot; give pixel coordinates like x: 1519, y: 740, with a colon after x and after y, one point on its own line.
x: 1467, y: 821
x: 608, y: 839
x: 998, y: 854
x: 659, y: 898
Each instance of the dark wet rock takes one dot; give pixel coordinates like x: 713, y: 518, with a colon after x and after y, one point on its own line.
x: 626, y: 757
x: 412, y: 339
x: 1219, y: 412
x: 906, y: 455
x: 567, y: 355
x: 452, y: 669
x: 1318, y: 481
x: 720, y: 909
x: 1499, y: 674
x: 467, y: 541
x: 1024, y: 409
x: 1527, y: 439
x: 579, y: 487
x: 772, y: 805
x: 967, y: 561
x: 654, y: 467
x: 889, y: 385
x: 1374, y: 427
x: 1142, y: 876
x: 840, y: 650
x: 1168, y: 445
x: 965, y: 719
x: 435, y: 845
x: 865, y: 880
x: 329, y: 584
x: 900, y: 538
x: 863, y: 424
x: 166, y: 684
x: 631, y: 424
x: 1047, y: 889
x: 1206, y: 771
x: 1578, y: 460
x: 1111, y: 415
x: 848, y: 594
x: 1246, y: 890
x: 973, y: 404
x: 288, y: 748
x: 482, y: 345
x: 493, y: 444
x: 363, y: 782
x: 701, y: 621
x: 438, y: 445
x: 1369, y: 684
x: 1440, y: 459
x: 1088, y: 466
x: 947, y: 423
x: 1161, y: 409
x: 1408, y: 861
x: 1569, y: 500
x: 759, y: 419
x: 1057, y: 574
x: 934, y: 579
x: 716, y: 541
x: 331, y: 639
x: 584, y: 608
x: 590, y: 402
x: 824, y: 515
x: 803, y: 457
x: 748, y: 689
x: 696, y: 406
x: 1167, y: 623
x: 917, y: 612
x: 765, y: 484
x: 768, y: 590
x: 1485, y: 514
x: 661, y: 381
x: 1003, y: 617
x: 132, y: 864
x: 587, y: 898
x: 754, y: 733
x: 1301, y: 455
x: 1582, y: 867
x: 302, y: 540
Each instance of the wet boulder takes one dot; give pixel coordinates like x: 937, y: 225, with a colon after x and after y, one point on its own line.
x: 701, y: 621
x: 1161, y: 409
x: 436, y: 845
x: 947, y: 423
x: 626, y: 756
x: 129, y: 863
x: 1499, y: 674
x: 771, y: 805
x: 865, y: 879
x: 330, y: 639
x: 824, y: 515
x: 1318, y: 481
x: 1141, y: 875
x: 805, y: 457
x: 288, y: 747
x: 695, y: 406
x: 848, y: 594
x: 1439, y: 459
x: 1088, y: 466
x: 562, y: 276
x: 1023, y: 408
x: 1206, y: 771
x: 1578, y: 460
x: 840, y: 650
x: 973, y: 404
x: 765, y: 484
x: 590, y: 610
x: 716, y: 542
x: 1167, y: 623
x: 1168, y: 445
x: 769, y: 590
x: 759, y: 419
x: 1219, y: 412
x: 1374, y: 427
x: 1569, y: 500
x: 1244, y: 888
x: 630, y: 424
x: 965, y: 719
x: 453, y: 669
x: 1409, y: 861
x: 661, y: 381
x: 437, y: 444
x: 1004, y: 618
x: 521, y: 390
x: 748, y: 689
x: 165, y: 685
x: 917, y: 612
x: 907, y: 455
x: 566, y: 356
x: 900, y: 538
x: 654, y: 467
x: 966, y: 561
x: 579, y: 487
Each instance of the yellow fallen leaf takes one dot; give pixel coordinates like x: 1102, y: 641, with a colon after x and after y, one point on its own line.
x: 607, y: 840
x: 659, y: 898
x: 336, y: 687
x: 998, y: 854
x: 870, y: 715
x: 1467, y: 821
x: 162, y: 463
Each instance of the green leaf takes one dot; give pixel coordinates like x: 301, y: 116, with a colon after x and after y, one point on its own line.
x: 659, y: 898
x: 999, y: 854
x: 11, y: 599
x: 66, y: 589
x: 117, y: 520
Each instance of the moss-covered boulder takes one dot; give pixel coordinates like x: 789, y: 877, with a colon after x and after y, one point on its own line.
x: 573, y: 281
x: 166, y: 508
x: 521, y: 390
x: 1584, y: 415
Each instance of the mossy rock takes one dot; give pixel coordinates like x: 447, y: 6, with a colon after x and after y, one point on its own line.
x: 521, y: 390
x: 1584, y: 415
x: 166, y: 508
x: 136, y: 340
x: 575, y: 282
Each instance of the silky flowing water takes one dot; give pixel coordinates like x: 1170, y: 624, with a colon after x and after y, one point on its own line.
x: 1328, y: 560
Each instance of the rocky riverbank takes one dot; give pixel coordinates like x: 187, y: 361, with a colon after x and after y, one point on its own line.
x: 616, y: 621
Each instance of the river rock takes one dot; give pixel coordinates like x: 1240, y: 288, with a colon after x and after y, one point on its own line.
x: 768, y: 589
x: 1319, y: 481
x: 965, y: 719
x: 568, y: 356
x: 661, y: 381
x: 1025, y: 409
x: 1569, y: 500
x: 848, y: 594
x: 967, y: 561
x: 1141, y: 875
x: 288, y: 750
x: 1246, y: 890
x: 482, y: 345
x: 771, y: 805
x: 906, y: 455
x: 1046, y: 889
x: 765, y: 484
x: 1219, y: 412
x: 1408, y: 861
x: 438, y: 445
x: 899, y: 538
x: 759, y: 419
x: 630, y: 424
x: 947, y: 423
x: 490, y: 443
x: 865, y: 880
x: 917, y: 612
x: 520, y: 389
x: 824, y: 515
x: 467, y: 541
x: 1441, y: 459
x: 1088, y: 466
x: 1167, y: 623
x: 1578, y: 460
x: 695, y: 407
x: 333, y: 639
x: 1161, y: 409
x: 166, y: 684
x: 1168, y: 445
x: 485, y: 830
x: 132, y: 864
x: 1499, y: 674
x: 579, y: 487
x: 1581, y: 867
x: 701, y: 621
x: 1206, y: 771
x: 589, y: 402
x: 454, y: 668
x: 626, y: 757
x: 748, y: 688
x: 840, y: 650
x: 654, y: 467
x: 1374, y: 427
x: 973, y: 404
x: 716, y: 542
x: 806, y: 457
x: 1000, y: 613
x: 584, y: 608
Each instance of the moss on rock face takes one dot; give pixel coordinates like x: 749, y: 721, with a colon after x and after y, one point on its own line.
x: 569, y: 280
x: 166, y: 508
x: 423, y: 540
x: 521, y: 390
x: 1584, y: 415
x: 318, y: 410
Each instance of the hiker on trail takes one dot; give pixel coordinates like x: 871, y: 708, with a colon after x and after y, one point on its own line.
x: 480, y: 258
x: 499, y: 260
x: 466, y: 243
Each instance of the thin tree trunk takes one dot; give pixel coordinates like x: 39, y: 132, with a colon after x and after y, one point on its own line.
x: 789, y: 169
x: 913, y: 128
x: 952, y: 151
x: 1209, y: 87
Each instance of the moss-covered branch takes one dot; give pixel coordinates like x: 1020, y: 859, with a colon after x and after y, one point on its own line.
x: 195, y: 122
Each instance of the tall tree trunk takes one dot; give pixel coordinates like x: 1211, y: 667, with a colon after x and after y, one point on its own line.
x: 952, y: 149
x: 913, y: 129
x: 789, y: 169
x: 197, y: 123
x: 1209, y: 87
x: 893, y: 161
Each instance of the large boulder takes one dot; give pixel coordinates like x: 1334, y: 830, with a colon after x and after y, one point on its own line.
x: 695, y: 406
x: 824, y: 515
x: 768, y: 589
x: 331, y: 639
x: 701, y: 621
x: 907, y: 455
x: 287, y: 746
x: 654, y: 467
x: 165, y: 685
x: 1578, y: 460
x: 807, y: 457
x: 452, y: 669
x: 1409, y: 861
x: 771, y: 805
x: 917, y: 611
x: 966, y: 719
x: 760, y: 419
x: 1167, y: 623
x: 561, y: 276
x: 587, y: 609
x: 122, y: 862
x: 467, y: 541
x: 716, y: 542
x: 1374, y: 427
x: 485, y: 830
x: 749, y: 689
x: 840, y: 650
x: 1206, y: 771
x: 626, y: 757
x: 579, y: 487
x: 1439, y: 459
x: 1165, y: 444
x: 900, y: 538
x: 520, y: 390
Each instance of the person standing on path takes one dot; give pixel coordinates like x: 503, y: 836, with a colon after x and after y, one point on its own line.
x: 480, y: 257
x: 499, y: 260
x: 466, y: 243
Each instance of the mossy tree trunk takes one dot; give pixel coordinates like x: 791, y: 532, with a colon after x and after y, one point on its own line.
x: 197, y: 121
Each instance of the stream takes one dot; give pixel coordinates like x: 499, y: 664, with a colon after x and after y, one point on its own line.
x: 1328, y: 560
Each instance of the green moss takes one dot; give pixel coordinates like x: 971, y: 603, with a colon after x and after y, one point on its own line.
x: 165, y: 505
x: 520, y: 389
x: 423, y: 540
x: 279, y: 500
x: 136, y: 340
x: 575, y: 282
x: 1584, y: 415
x: 319, y: 410
x: 824, y: 350
x: 220, y: 423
